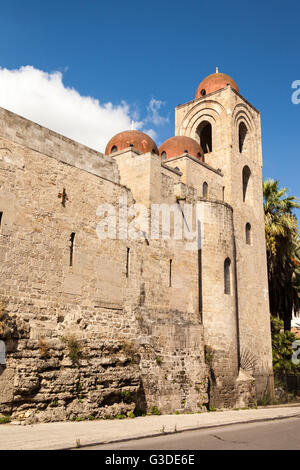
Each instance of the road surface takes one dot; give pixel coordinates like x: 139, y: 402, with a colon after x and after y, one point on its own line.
x: 280, y: 434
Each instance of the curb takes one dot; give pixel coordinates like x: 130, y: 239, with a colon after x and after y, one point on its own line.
x: 197, y: 428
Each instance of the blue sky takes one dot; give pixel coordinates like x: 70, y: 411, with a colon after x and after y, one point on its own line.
x: 132, y: 51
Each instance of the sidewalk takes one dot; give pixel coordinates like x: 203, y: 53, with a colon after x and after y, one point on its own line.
x: 64, y: 435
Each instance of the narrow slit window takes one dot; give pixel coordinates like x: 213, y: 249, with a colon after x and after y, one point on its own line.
x: 128, y: 263
x: 1, y: 215
x: 72, y: 239
x: 227, y: 280
x: 2, y: 353
x: 205, y: 190
x: 170, y: 273
x: 248, y: 234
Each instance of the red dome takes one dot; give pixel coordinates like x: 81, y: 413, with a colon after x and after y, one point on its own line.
x: 136, y: 139
x: 214, y: 82
x: 178, y: 145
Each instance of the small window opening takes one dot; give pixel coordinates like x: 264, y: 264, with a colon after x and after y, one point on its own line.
x: 164, y: 156
x: 72, y: 238
x: 186, y: 151
x: 176, y: 168
x: 114, y: 149
x: 2, y: 353
x: 205, y: 189
x: 223, y: 191
x: 248, y: 234
x: 128, y: 263
x: 1, y: 215
x: 170, y: 273
x: 199, y: 156
x: 227, y: 282
x: 203, y: 92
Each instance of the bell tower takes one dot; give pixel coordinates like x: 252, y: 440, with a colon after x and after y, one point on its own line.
x: 228, y: 128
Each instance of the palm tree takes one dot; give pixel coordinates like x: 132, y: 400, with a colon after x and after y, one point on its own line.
x: 283, y: 251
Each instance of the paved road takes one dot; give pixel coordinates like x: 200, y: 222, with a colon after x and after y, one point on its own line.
x: 281, y: 435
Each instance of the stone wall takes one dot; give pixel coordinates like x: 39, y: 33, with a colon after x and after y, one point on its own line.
x: 94, y: 339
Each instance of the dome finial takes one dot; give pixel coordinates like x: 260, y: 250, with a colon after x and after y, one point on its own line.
x: 132, y: 125
x: 217, y: 69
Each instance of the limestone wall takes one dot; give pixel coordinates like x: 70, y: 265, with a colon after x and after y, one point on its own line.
x: 105, y: 335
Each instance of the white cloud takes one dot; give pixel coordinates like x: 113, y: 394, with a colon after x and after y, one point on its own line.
x: 43, y: 98
x: 152, y: 133
x: 153, y: 113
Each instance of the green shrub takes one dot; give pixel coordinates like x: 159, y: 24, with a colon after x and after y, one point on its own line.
x: 155, y: 411
x: 74, y: 349
x: 282, y: 348
x: 4, y: 419
x: 212, y: 408
x: 125, y: 395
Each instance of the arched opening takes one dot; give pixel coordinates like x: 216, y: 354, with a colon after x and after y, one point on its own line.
x: 246, y: 182
x: 205, y: 189
x: 114, y: 149
x: 227, y: 277
x: 199, y: 156
x: 248, y: 234
x: 204, y: 132
x: 243, y: 132
x: 163, y: 156
x: 2, y: 353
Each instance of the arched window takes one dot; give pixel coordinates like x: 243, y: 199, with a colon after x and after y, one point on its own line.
x: 2, y: 353
x: 204, y: 132
x: 114, y: 149
x: 248, y: 234
x: 205, y: 189
x: 243, y: 131
x: 227, y: 277
x: 163, y: 156
x: 199, y: 156
x: 246, y: 178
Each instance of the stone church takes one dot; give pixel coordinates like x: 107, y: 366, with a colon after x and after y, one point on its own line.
x: 99, y: 327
